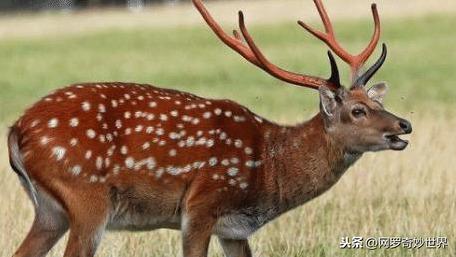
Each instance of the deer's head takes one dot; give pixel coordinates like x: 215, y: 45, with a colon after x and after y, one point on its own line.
x: 358, y: 120
x: 355, y: 117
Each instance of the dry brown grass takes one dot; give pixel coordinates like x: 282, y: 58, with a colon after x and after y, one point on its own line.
x: 408, y: 193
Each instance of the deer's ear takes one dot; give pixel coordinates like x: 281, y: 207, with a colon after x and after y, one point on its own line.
x: 328, y: 101
x: 377, y: 92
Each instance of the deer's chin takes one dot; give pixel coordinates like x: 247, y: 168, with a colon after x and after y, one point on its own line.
x: 396, y: 143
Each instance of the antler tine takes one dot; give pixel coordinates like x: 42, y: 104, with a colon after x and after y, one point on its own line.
x: 268, y: 66
x: 367, y: 52
x: 355, y: 61
x: 362, y: 80
x: 236, y: 35
x: 233, y: 43
x: 253, y: 54
x: 335, y: 77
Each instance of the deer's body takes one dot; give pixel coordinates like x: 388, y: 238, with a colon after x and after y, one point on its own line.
x: 123, y: 156
x: 155, y: 151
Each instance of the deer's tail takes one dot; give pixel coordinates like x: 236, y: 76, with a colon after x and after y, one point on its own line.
x: 17, y: 164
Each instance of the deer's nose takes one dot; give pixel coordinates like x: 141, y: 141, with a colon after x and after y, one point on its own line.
x: 406, y: 126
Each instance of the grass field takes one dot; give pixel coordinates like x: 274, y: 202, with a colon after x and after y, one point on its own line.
x: 410, y: 193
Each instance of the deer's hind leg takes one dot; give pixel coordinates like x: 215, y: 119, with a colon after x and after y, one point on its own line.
x: 88, y: 210
x: 49, y: 225
x: 84, y: 238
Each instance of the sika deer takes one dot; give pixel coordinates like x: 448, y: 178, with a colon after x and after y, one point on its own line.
x: 122, y: 156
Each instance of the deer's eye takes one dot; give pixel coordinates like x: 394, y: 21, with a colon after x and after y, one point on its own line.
x: 358, y: 112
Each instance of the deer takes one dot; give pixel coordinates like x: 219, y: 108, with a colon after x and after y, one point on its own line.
x: 113, y: 156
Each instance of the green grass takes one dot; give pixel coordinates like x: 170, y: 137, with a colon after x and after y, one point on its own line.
x: 387, y: 194
x: 420, y: 68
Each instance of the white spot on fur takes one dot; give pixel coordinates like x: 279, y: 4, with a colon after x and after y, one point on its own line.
x: 44, y: 140
x: 234, y: 160
x: 146, y: 145
x: 260, y: 120
x: 91, y: 133
x: 99, y: 163
x: 149, y: 163
x: 53, y: 123
x: 101, y: 108
x: 34, y: 123
x: 74, y: 122
x: 190, y: 141
x: 73, y: 141
x: 213, y: 161
x: 116, y: 169
x: 99, y: 117
x: 159, y: 131
x: 150, y: 116
x: 107, y: 162
x: 58, y: 152
x: 225, y: 162
x: 195, y: 121
x: 210, y: 142
x: 93, y: 179
x: 118, y: 124
x: 129, y: 162
x: 239, y: 118
x: 88, y: 154
x: 149, y: 130
x: 250, y: 163
x: 207, y: 115
x: 124, y: 150
x: 243, y: 185
x: 85, y: 106
x: 139, y: 128
x: 76, y: 170
x: 163, y: 117
x: 233, y: 171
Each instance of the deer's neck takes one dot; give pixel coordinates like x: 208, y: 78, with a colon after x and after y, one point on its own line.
x: 301, y: 163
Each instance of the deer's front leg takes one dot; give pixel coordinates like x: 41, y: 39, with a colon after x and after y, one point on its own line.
x: 196, y: 234
x: 235, y: 248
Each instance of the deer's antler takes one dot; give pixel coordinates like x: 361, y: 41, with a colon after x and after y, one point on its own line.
x: 355, y: 61
x: 253, y: 54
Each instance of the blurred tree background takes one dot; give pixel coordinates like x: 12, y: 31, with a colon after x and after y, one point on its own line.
x: 33, y: 5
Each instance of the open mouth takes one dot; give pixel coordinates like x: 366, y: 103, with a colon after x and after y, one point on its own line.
x: 395, y: 142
